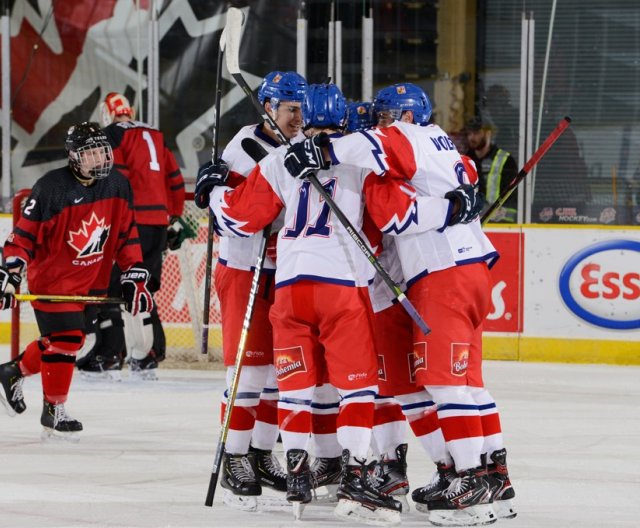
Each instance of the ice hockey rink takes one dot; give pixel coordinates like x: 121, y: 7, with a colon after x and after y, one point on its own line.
x: 144, y: 459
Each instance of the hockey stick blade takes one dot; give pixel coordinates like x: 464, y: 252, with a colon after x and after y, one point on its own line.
x: 232, y: 34
x: 254, y: 149
x: 532, y: 162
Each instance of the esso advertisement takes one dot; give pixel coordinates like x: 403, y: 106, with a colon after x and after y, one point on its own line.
x: 601, y: 284
x: 506, y: 294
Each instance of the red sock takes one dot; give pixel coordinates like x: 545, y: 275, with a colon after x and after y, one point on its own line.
x: 30, y: 361
x: 58, y: 361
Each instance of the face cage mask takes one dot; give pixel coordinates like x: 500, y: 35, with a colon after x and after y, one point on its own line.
x: 93, y: 161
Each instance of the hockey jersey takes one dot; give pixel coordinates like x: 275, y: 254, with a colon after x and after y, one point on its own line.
x: 312, y: 244
x: 139, y: 152
x: 427, y: 157
x: 242, y: 253
x: 70, y: 235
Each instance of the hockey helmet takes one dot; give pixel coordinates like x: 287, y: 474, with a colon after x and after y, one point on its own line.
x: 401, y: 97
x: 359, y: 116
x: 280, y: 86
x: 324, y: 106
x: 114, y: 105
x: 90, y: 154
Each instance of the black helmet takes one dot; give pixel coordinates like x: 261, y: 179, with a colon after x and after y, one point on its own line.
x: 90, y: 154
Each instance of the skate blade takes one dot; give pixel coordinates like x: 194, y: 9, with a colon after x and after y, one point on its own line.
x: 326, y: 494
x: 472, y: 516
x: 51, y: 436
x: 504, y: 509
x: 10, y: 410
x: 402, y: 499
x: 107, y: 375
x: 143, y: 375
x: 354, y: 511
x: 240, y: 502
x: 297, y: 508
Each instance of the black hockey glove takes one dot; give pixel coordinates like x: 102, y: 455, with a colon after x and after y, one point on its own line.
x: 7, y: 301
x: 137, y: 297
x: 467, y: 202
x: 177, y: 232
x: 307, y: 156
x: 209, y: 176
x: 8, y: 278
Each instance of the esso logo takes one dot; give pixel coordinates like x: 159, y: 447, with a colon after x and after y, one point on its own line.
x: 601, y: 284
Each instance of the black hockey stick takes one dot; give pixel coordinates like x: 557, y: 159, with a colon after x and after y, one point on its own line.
x: 234, y: 25
x: 204, y: 348
x: 255, y: 150
x: 533, y: 160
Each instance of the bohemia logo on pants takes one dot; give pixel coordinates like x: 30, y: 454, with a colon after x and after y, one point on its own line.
x: 288, y: 361
x: 418, y: 359
x: 382, y: 373
x: 459, y: 358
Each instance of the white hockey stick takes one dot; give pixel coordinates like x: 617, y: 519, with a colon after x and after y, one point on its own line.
x: 233, y: 36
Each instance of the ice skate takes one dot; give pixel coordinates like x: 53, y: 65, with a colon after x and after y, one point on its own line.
x: 298, y: 480
x: 440, y: 481
x: 390, y: 476
x: 58, y: 425
x: 144, y: 369
x: 358, y: 501
x: 325, y: 473
x: 466, y: 502
x: 96, y: 368
x: 502, y: 491
x: 12, y: 380
x: 268, y: 469
x: 240, y: 483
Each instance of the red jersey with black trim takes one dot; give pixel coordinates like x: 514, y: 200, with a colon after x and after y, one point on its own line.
x: 70, y: 235
x: 140, y: 153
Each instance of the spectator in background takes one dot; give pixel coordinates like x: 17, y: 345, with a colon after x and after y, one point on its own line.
x: 496, y: 168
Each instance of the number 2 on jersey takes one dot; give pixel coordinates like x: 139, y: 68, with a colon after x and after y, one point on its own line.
x: 321, y: 227
x: 153, y: 164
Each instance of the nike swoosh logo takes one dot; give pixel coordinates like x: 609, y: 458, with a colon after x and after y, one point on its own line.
x: 78, y: 200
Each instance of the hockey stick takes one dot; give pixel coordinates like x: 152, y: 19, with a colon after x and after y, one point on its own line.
x: 255, y: 150
x: 204, y: 348
x: 68, y: 298
x: 533, y: 160
x: 233, y: 35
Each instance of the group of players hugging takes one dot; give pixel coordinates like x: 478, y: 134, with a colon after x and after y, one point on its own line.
x: 333, y: 362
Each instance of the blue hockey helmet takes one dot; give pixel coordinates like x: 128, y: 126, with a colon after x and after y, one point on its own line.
x: 324, y: 106
x: 400, y: 97
x: 280, y: 86
x: 359, y: 116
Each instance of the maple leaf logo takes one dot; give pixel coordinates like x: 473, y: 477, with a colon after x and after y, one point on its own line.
x: 90, y: 239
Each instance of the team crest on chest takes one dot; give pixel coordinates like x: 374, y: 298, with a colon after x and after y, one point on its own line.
x: 288, y: 361
x: 90, y: 239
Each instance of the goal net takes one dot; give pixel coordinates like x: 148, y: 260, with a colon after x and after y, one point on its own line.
x: 180, y: 300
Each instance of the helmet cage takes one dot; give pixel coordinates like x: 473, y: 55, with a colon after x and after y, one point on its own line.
x: 90, y: 154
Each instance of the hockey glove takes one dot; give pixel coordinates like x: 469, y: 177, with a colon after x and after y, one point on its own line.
x: 307, y: 156
x: 177, y: 232
x: 209, y: 176
x: 7, y: 301
x: 136, y: 296
x: 467, y: 204
x: 8, y: 278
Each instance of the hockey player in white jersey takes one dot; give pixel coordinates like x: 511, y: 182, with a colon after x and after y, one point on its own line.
x: 448, y: 280
x: 321, y: 299
x: 248, y: 462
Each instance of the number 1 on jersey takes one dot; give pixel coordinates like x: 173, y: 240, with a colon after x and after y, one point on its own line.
x: 321, y: 226
x: 153, y: 164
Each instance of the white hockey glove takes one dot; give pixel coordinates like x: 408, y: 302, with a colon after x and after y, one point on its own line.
x: 137, y: 297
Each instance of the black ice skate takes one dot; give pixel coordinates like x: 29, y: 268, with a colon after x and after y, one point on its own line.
x: 442, y: 478
x: 239, y: 479
x: 390, y: 476
x: 325, y: 474
x: 268, y: 469
x: 466, y: 502
x: 99, y: 367
x: 12, y: 379
x: 145, y: 369
x: 359, y: 501
x: 502, y: 491
x: 298, y: 480
x: 58, y: 424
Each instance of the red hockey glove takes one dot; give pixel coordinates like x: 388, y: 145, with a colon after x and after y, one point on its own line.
x: 137, y: 297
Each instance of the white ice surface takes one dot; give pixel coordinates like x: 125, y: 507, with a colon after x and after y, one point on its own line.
x: 144, y: 459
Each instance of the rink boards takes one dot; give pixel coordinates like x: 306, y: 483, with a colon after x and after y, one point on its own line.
x: 560, y: 293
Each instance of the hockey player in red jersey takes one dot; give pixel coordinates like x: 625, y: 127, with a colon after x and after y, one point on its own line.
x: 321, y: 300
x: 140, y: 154
x: 75, y: 223
x: 254, y: 422
x: 448, y: 281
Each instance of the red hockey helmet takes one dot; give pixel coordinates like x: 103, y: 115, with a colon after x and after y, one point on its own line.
x: 114, y: 105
